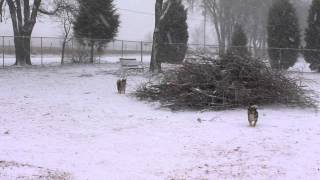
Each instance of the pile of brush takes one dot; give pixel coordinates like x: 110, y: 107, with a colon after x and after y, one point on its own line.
x: 226, y: 82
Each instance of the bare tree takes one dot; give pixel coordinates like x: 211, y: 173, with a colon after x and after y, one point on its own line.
x: 24, y: 15
x: 66, y: 17
x: 220, y: 13
x: 1, y: 9
x: 154, y: 65
x: 67, y: 24
x: 251, y: 14
x: 160, y: 13
x: 225, y: 14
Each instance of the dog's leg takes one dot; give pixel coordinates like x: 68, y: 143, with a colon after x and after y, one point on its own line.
x: 250, y: 119
x: 256, y: 116
x: 124, y: 85
x: 119, y: 86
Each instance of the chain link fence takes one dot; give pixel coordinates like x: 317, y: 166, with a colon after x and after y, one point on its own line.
x: 48, y: 51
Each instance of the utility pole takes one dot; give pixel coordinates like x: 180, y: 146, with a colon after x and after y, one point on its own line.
x: 204, y: 28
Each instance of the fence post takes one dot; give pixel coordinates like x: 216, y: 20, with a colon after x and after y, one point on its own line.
x: 280, y: 59
x: 236, y: 96
x: 223, y: 100
x: 9, y: 47
x: 141, y: 48
x: 72, y: 49
x: 99, y: 54
x: 122, y: 48
x: 41, y: 51
x: 2, y: 51
x: 30, y: 46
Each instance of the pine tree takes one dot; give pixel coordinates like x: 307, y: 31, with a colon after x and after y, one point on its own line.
x: 239, y: 42
x: 283, y: 32
x: 312, y: 36
x: 97, y: 23
x: 174, y: 33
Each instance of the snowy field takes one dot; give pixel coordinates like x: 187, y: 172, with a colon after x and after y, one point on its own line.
x: 69, y: 123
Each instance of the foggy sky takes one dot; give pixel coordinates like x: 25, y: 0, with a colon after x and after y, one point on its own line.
x: 134, y: 26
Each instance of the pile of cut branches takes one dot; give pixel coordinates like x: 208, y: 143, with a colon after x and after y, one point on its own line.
x: 227, y: 82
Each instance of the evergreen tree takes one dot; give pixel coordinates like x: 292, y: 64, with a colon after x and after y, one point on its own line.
x: 96, y: 24
x: 283, y: 32
x: 312, y: 36
x: 174, y: 33
x: 239, y: 41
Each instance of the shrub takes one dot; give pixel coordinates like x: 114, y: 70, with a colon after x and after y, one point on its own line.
x: 174, y: 34
x: 284, y: 33
x: 312, y: 36
x: 239, y: 42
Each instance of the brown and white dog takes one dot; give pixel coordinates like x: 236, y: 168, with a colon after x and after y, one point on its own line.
x: 121, y: 85
x: 253, y: 115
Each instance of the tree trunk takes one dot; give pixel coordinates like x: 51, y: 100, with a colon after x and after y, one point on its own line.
x: 27, y: 49
x: 222, y: 44
x: 155, y: 66
x: 63, y: 50
x: 18, y: 44
x: 23, y: 19
x: 152, y: 62
x: 22, y: 50
x: 92, y: 52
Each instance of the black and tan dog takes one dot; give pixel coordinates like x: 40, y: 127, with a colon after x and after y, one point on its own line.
x: 253, y: 115
x: 121, y: 85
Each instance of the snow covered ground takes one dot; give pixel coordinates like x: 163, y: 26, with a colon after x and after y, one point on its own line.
x: 69, y: 123
x: 301, y: 66
x: 53, y: 60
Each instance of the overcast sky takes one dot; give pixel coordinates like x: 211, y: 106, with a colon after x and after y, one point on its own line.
x: 134, y: 26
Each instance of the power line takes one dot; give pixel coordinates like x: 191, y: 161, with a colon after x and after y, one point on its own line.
x: 205, y: 27
x: 148, y: 13
x: 137, y: 12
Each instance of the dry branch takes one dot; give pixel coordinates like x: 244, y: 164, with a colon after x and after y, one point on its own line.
x: 230, y: 81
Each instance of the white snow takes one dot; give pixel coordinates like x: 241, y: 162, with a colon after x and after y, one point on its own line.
x: 53, y: 60
x: 70, y: 119
x: 301, y: 66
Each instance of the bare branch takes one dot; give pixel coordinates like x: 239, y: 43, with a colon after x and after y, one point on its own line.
x: 13, y: 13
x: 26, y: 10
x: 1, y: 9
x: 19, y: 14
x: 60, y: 5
